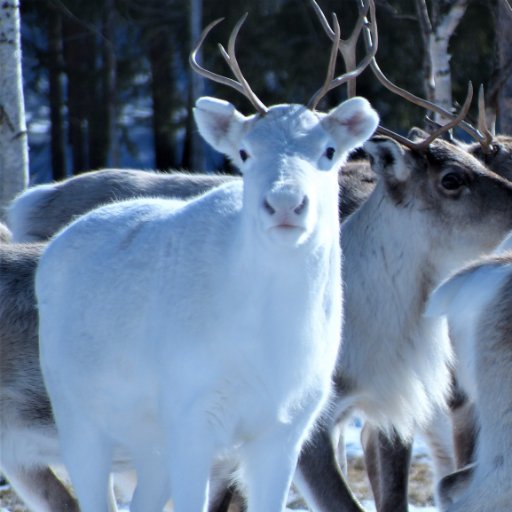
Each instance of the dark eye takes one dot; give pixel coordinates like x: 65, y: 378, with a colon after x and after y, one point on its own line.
x: 452, y: 181
x: 244, y: 155
x: 329, y: 153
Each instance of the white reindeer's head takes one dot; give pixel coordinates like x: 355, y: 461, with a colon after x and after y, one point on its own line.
x: 288, y: 154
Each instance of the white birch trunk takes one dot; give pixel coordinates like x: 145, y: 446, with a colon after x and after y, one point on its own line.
x: 439, y: 39
x: 13, y: 133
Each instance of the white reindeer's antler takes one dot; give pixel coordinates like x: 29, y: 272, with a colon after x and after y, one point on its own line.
x: 242, y: 86
x: 347, y: 48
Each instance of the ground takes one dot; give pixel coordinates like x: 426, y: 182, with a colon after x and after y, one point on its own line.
x: 420, y: 493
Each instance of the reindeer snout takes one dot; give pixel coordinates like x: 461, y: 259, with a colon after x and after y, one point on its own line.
x: 288, y: 203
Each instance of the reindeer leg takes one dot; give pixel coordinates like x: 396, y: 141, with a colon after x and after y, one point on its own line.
x: 452, y: 486
x: 230, y: 500
x: 40, y: 489
x: 388, y: 462
x: 465, y: 427
x: 319, y: 478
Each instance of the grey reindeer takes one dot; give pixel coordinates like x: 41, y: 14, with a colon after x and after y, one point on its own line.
x: 451, y: 437
x: 477, y: 302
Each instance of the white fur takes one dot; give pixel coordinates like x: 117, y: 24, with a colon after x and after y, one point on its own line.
x: 477, y: 304
x: 461, y: 299
x: 397, y: 361
x: 184, y: 335
x: 19, y: 211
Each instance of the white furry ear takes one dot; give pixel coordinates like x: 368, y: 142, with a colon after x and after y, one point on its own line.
x: 351, y: 123
x: 387, y: 158
x: 220, y: 124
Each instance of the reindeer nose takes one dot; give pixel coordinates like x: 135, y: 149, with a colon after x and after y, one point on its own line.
x: 286, y: 201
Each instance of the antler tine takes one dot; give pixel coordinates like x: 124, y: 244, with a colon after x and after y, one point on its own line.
x: 351, y: 74
x: 395, y: 89
x: 487, y: 136
x: 313, y: 102
x: 422, y: 145
x: 230, y: 58
x: 242, y: 87
x: 508, y: 7
x: 205, y: 72
x: 347, y: 47
x: 454, y: 122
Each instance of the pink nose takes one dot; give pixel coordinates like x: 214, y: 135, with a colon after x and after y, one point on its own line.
x: 287, y: 201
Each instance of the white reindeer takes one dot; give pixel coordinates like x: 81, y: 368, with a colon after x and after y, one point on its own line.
x: 140, y: 349
x: 477, y: 303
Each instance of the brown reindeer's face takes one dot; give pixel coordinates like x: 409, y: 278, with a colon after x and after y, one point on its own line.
x: 458, y: 200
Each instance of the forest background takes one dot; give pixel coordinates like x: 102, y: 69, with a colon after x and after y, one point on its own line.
x: 107, y: 82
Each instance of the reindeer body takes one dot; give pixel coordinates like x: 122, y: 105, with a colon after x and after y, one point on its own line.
x: 446, y: 209
x: 162, y: 367
x: 39, y: 212
x: 397, y: 376
x: 477, y: 302
x: 451, y: 437
x: 28, y: 443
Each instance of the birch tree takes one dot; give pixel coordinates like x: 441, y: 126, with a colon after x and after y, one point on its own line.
x: 13, y: 133
x: 437, y: 27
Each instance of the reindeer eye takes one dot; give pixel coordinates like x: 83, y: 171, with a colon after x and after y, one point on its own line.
x: 244, y: 155
x: 329, y: 153
x: 452, y: 181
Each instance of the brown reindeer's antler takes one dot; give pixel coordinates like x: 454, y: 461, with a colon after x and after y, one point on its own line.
x: 487, y: 136
x: 242, y: 85
x: 424, y: 144
x: 347, y: 48
x: 456, y: 120
x: 370, y: 34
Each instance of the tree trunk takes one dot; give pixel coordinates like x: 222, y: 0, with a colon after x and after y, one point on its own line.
x: 440, y: 57
x: 56, y: 93
x: 79, y: 52
x: 161, y: 58
x: 504, y: 35
x: 110, y: 82
x: 13, y: 131
x: 102, y: 94
x: 437, y: 29
x: 193, y: 153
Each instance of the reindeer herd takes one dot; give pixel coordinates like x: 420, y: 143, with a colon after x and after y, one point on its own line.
x: 214, y: 333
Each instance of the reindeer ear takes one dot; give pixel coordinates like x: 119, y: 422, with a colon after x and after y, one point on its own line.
x: 387, y: 158
x: 351, y: 123
x: 417, y: 133
x: 220, y: 124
